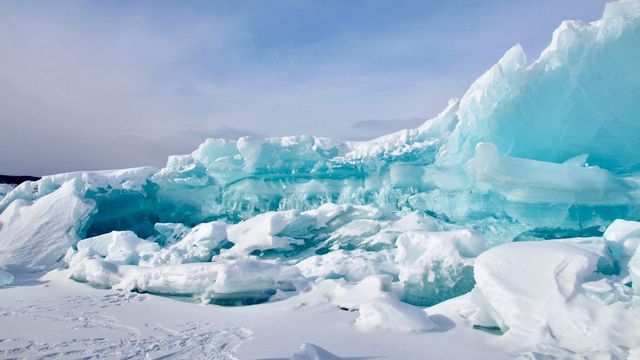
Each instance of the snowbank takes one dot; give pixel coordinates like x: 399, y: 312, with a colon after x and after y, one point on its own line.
x: 540, y: 295
x: 34, y: 236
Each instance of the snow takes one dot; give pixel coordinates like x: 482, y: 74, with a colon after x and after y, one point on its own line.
x: 35, y: 235
x: 390, y: 314
x: 313, y: 352
x: 65, y: 317
x: 531, y: 291
x: 371, y: 288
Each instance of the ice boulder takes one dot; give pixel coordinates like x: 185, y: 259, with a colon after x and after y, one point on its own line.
x: 4, y: 190
x: 352, y: 266
x: 192, y: 245
x: 623, y: 238
x: 34, y: 236
x: 232, y: 282
x: 6, y: 278
x: 119, y: 247
x: 226, y: 282
x: 95, y: 272
x: 435, y: 266
x: 261, y: 233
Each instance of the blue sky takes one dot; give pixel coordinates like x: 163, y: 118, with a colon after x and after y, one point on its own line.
x: 111, y: 84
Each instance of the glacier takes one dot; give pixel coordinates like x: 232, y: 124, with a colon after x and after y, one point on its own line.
x: 514, y: 194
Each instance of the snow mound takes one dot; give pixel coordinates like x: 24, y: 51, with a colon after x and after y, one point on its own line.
x: 537, y: 294
x: 34, y: 236
x: 313, y: 352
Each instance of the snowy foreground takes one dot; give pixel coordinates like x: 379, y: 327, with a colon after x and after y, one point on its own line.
x: 59, y: 318
x: 506, y: 226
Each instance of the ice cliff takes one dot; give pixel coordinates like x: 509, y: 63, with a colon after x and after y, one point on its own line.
x: 532, y: 151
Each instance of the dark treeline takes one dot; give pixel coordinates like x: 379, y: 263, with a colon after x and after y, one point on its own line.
x: 16, y: 179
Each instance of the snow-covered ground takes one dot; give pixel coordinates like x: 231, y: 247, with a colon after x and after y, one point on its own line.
x: 49, y: 315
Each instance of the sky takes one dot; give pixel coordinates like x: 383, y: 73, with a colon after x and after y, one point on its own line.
x: 113, y: 84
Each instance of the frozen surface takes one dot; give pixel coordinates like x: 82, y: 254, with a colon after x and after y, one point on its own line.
x: 506, y: 208
x: 55, y: 317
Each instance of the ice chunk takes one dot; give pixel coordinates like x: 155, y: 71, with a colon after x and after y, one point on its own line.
x: 120, y: 247
x: 525, y: 180
x: 435, y: 266
x: 623, y: 238
x: 35, y: 236
x: 261, y: 233
x: 195, y: 245
x: 170, y: 233
x: 96, y: 272
x: 4, y: 190
x: 233, y: 282
x: 351, y: 265
x: 6, y: 278
x: 354, y: 232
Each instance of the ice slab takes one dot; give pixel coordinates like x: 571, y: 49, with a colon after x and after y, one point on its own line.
x: 234, y: 282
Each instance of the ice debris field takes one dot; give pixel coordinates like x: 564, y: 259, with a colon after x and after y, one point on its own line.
x: 518, y: 203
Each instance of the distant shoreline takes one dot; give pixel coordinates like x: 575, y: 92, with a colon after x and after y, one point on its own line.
x: 16, y: 179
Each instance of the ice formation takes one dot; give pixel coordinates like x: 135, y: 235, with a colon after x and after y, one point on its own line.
x: 6, y: 278
x: 530, y: 154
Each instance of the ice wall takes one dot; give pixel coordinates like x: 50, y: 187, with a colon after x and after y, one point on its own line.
x: 546, y: 147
